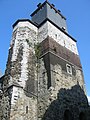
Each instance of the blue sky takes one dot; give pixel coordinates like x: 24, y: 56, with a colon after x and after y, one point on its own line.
x: 77, y: 13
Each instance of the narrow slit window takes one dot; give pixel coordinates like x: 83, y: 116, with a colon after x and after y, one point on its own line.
x: 26, y: 109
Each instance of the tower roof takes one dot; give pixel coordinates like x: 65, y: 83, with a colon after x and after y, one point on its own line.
x: 48, y: 11
x: 51, y: 5
x: 23, y: 20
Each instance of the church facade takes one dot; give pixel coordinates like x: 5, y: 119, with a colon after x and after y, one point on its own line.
x: 44, y: 77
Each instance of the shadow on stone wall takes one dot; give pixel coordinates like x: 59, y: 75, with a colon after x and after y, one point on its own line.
x: 71, y: 104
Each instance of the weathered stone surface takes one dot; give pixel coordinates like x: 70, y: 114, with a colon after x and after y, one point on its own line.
x: 43, y: 82
x: 20, y: 81
x: 49, y: 44
x: 68, y: 93
x: 18, y: 110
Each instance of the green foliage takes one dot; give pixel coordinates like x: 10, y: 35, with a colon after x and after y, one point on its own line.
x: 37, y: 50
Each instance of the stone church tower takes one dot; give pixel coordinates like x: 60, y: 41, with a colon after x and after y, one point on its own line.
x: 43, y: 78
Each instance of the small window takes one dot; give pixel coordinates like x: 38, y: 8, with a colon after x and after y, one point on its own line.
x: 26, y: 109
x: 64, y: 43
x: 55, y: 36
x: 54, y: 48
x: 69, y: 69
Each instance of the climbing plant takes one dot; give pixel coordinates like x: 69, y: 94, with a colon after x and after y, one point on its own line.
x: 37, y: 49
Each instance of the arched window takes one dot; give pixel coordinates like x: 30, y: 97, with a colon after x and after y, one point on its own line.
x: 82, y: 116
x: 67, y: 115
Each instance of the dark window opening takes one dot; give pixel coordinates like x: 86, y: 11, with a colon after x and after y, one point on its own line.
x: 82, y: 116
x: 69, y: 69
x: 56, y: 36
x: 67, y: 115
x: 26, y: 109
x: 55, y: 49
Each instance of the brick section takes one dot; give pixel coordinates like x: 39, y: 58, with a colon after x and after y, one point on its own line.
x: 50, y: 44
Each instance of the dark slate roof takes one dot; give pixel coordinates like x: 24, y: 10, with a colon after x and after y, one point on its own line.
x: 51, y: 5
x: 23, y: 20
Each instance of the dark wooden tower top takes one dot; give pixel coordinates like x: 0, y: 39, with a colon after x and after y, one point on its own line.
x: 48, y: 11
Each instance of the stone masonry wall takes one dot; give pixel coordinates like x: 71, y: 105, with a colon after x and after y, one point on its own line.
x: 48, y: 29
x: 25, y: 108
x: 67, y: 90
x: 20, y: 83
x: 68, y: 93
x: 22, y: 46
x: 42, y: 87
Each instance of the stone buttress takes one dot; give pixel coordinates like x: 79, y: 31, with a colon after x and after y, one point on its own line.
x: 19, y: 85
